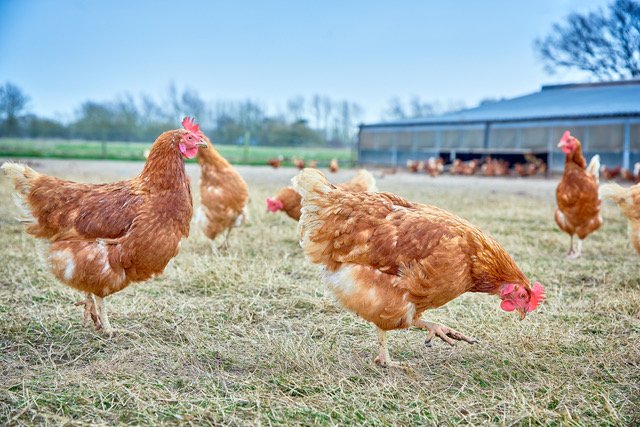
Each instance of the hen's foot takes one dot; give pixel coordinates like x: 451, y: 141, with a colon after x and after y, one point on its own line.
x: 90, y: 312
x: 384, y: 362
x: 576, y: 251
x: 446, y: 334
x: 118, y: 332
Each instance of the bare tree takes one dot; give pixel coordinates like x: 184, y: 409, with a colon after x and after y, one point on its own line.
x: 395, y: 110
x: 603, y: 43
x: 295, y: 108
x: 13, y: 102
x: 316, y: 108
x: 422, y: 109
x: 193, y: 105
x: 327, y: 111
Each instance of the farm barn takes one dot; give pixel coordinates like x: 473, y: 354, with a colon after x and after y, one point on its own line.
x: 604, y: 116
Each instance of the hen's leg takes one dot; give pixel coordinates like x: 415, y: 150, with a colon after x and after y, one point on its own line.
x: 383, y: 359
x: 579, y: 248
x: 104, y: 317
x: 225, y: 243
x: 571, y: 252
x: 446, y: 334
x: 90, y: 311
x: 575, y: 253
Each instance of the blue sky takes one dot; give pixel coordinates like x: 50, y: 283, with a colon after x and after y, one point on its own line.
x: 66, y: 51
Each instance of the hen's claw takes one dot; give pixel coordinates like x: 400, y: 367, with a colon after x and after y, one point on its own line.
x: 573, y: 255
x: 118, y: 332
x: 446, y: 334
x: 90, y: 311
x: 384, y: 363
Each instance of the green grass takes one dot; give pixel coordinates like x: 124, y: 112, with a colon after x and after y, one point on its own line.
x: 80, y: 149
x: 250, y: 337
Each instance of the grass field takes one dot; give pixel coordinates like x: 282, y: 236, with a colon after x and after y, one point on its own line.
x: 251, y: 337
x: 79, y: 149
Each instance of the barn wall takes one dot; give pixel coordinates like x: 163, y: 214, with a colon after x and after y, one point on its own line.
x: 393, y: 146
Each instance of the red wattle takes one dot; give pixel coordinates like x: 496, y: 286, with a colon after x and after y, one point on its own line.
x: 507, y: 305
x: 189, y: 153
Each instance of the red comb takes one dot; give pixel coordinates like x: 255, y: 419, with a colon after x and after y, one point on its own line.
x: 274, y: 205
x: 189, y: 124
x: 537, y: 296
x: 565, y: 136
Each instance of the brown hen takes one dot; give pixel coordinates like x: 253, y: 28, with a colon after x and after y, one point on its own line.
x: 223, y: 195
x: 102, y: 237
x: 389, y: 260
x: 288, y: 200
x: 578, y: 211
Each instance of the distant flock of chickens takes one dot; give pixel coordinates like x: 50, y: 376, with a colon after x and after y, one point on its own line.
x: 383, y: 257
x: 488, y: 166
x: 275, y: 163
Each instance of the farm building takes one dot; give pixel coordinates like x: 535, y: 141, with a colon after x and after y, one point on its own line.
x: 605, y: 117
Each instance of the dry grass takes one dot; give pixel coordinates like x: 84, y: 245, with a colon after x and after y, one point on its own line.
x: 250, y: 337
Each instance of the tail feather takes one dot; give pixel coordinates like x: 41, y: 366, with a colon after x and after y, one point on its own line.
x: 26, y: 215
x: 366, y: 176
x: 21, y: 175
x: 242, y: 218
x: 311, y: 184
x: 594, y: 167
x: 311, y: 181
x: 614, y: 192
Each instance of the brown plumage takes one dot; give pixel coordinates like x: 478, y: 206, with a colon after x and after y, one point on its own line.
x: 223, y: 195
x: 532, y: 167
x: 289, y: 203
x: 288, y: 200
x: 334, y: 166
x: 434, y: 166
x: 102, y: 237
x: 275, y: 163
x: 415, y: 166
x: 633, y: 176
x: 299, y: 163
x: 578, y: 211
x: 494, y: 167
x: 458, y: 167
x: 628, y: 200
x: 608, y: 174
x: 389, y: 260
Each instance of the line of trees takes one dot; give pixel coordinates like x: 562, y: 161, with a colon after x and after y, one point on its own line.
x: 319, y: 121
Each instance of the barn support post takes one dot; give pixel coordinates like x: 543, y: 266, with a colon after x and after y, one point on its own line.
x: 359, y: 144
x: 487, y: 131
x: 626, y: 151
x: 394, y: 150
x: 414, y: 145
x: 549, y: 150
x: 439, y: 141
x: 587, y: 137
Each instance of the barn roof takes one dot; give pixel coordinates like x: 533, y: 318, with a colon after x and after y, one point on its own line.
x: 553, y: 102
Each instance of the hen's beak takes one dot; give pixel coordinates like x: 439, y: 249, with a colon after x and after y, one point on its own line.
x: 522, y: 312
x: 202, y: 144
x: 561, y: 144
